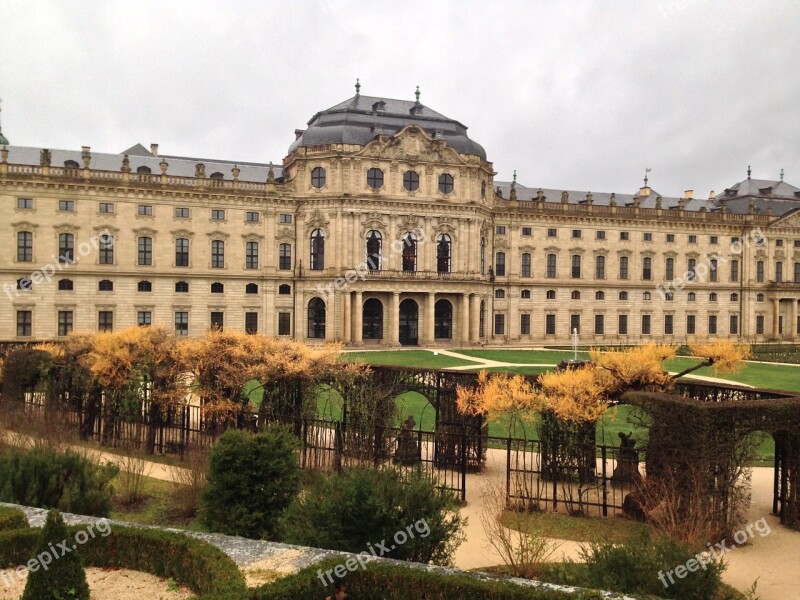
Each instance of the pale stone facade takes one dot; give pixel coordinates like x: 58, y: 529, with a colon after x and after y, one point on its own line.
x: 318, y: 249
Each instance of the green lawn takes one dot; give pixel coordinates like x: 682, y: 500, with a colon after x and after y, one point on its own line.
x: 406, y: 358
x: 775, y: 377
x: 547, y: 357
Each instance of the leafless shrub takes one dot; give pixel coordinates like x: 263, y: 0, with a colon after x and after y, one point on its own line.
x: 189, y: 480
x: 133, y: 469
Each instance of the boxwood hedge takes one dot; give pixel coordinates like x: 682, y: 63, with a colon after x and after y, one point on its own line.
x: 12, y: 518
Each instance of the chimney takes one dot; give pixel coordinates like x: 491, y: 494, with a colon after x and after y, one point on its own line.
x: 711, y: 195
x: 688, y: 194
x: 154, y: 149
x: 644, y: 192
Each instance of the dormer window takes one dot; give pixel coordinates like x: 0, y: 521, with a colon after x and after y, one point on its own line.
x: 767, y: 191
x: 416, y: 109
x: 71, y: 164
x: 217, y: 175
x: 143, y: 169
x: 379, y: 106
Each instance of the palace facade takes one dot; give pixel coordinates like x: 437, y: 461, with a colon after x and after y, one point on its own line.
x: 384, y: 226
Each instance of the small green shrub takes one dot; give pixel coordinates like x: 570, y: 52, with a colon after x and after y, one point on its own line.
x: 635, y: 565
x: 49, y: 479
x: 363, y: 506
x: 12, y: 518
x: 57, y: 575
x: 387, y: 581
x: 252, y: 478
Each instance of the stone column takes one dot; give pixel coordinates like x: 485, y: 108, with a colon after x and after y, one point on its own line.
x: 270, y: 315
x: 776, y: 309
x: 330, y: 318
x: 427, y: 333
x: 463, y: 316
x: 394, y: 319
x: 346, y: 314
x: 358, y: 318
x: 793, y: 324
x: 475, y: 318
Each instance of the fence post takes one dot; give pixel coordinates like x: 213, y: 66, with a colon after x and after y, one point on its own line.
x: 776, y: 475
x: 463, y: 464
x: 605, y: 482
x: 508, y: 472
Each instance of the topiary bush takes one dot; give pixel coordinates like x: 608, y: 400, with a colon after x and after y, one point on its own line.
x: 52, y: 573
x: 252, y: 478
x: 364, y: 506
x: 48, y: 479
x: 12, y: 518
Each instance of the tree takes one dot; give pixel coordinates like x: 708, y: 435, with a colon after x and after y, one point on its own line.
x: 252, y: 478
x: 63, y: 578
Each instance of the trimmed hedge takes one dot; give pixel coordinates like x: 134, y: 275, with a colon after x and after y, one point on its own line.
x: 389, y: 581
x: 12, y: 518
x: 209, y: 572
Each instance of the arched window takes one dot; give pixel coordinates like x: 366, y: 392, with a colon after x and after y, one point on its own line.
x: 443, y: 247
x: 284, y: 289
x: 144, y: 286
x: 712, y: 297
x: 600, y: 267
x: 105, y: 285
x: 623, y: 295
x: 143, y: 169
x: 525, y: 294
x: 317, y: 250
x: 646, y: 296
x: 411, y: 181
x: 318, y: 177
x: 217, y: 175
x: 409, y: 252
x: 181, y: 287
x: 375, y: 178
x: 499, y: 293
x: 446, y: 183
x: 316, y: 319
x: 443, y: 320
x: 217, y: 288
x: 551, y: 294
x: 692, y: 297
x: 759, y: 297
x: 483, y: 256
x: 374, y: 244
x: 576, y: 295
x: 734, y: 297
x: 65, y: 285
x: 71, y: 164
x: 251, y: 288
x: 372, y: 320
x: 599, y: 296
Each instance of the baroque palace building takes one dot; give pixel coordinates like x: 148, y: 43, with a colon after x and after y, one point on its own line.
x: 384, y: 226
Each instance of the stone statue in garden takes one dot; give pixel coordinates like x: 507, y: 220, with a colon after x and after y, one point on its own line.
x: 407, y: 452
x: 627, y: 469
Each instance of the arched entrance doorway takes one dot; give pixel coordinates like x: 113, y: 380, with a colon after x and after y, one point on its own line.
x: 409, y: 315
x: 372, y: 321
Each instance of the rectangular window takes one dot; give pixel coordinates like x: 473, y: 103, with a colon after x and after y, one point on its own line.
x: 668, y: 324
x: 105, y: 320
x: 525, y: 324
x: 692, y: 239
x: 527, y: 231
x: 623, y: 267
x: 734, y: 271
x: 145, y: 210
x: 285, y: 219
x: 797, y: 243
x: 66, y: 247
x: 251, y: 255
x: 778, y: 272
x: 552, y: 233
x: 217, y: 254
x: 760, y: 271
x: 645, y: 324
x: 600, y: 235
x: 182, y: 252
x: 647, y: 268
x: 26, y: 203
x: 181, y: 323
x: 551, y: 266
x: 576, y: 234
x: 66, y: 205
x: 690, y: 324
x: 106, y: 207
x: 575, y: 324
x: 251, y: 322
x: 525, y: 267
x: 106, y: 250
x: 622, y: 327
x: 712, y: 271
x: 64, y: 322
x: 24, y: 323
x: 500, y: 264
x: 218, y: 215
x: 599, y: 324
x: 284, y: 323
x: 251, y: 216
x: 624, y: 236
x: 499, y: 324
x: 181, y: 212
x: 24, y: 246
x: 670, y: 237
x: 145, y: 251
x: 144, y: 318
x: 669, y: 269
x: 779, y: 243
x: 647, y: 237
x: 712, y: 324
x: 734, y: 324
x: 713, y: 239
x: 217, y: 320
x: 500, y: 230
x: 550, y: 324
x: 797, y: 272
x: 760, y: 324
x: 285, y: 257
x: 576, y: 266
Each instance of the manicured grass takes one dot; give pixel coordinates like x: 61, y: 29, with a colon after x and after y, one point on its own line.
x: 774, y: 377
x: 406, y: 358
x: 157, y: 508
x: 578, y: 529
x: 546, y: 357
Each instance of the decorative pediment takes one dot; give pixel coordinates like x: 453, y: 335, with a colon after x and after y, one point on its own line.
x: 527, y: 248
x: 24, y: 225
x: 779, y: 254
x: 106, y: 229
x: 601, y: 252
x: 501, y: 242
x: 790, y: 220
x: 552, y: 250
x: 66, y: 228
x: 670, y: 254
x: 625, y: 253
x: 648, y: 253
x: 316, y: 220
x: 285, y: 233
x: 182, y: 233
x: 411, y: 144
x: 577, y: 250
x: 145, y: 231
x: 408, y: 223
x: 447, y: 229
x: 252, y: 237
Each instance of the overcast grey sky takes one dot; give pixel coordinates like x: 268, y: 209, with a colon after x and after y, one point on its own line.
x: 577, y: 95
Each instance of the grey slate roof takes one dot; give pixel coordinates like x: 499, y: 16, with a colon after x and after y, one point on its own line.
x: 360, y: 119
x: 762, y: 194
x: 181, y: 166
